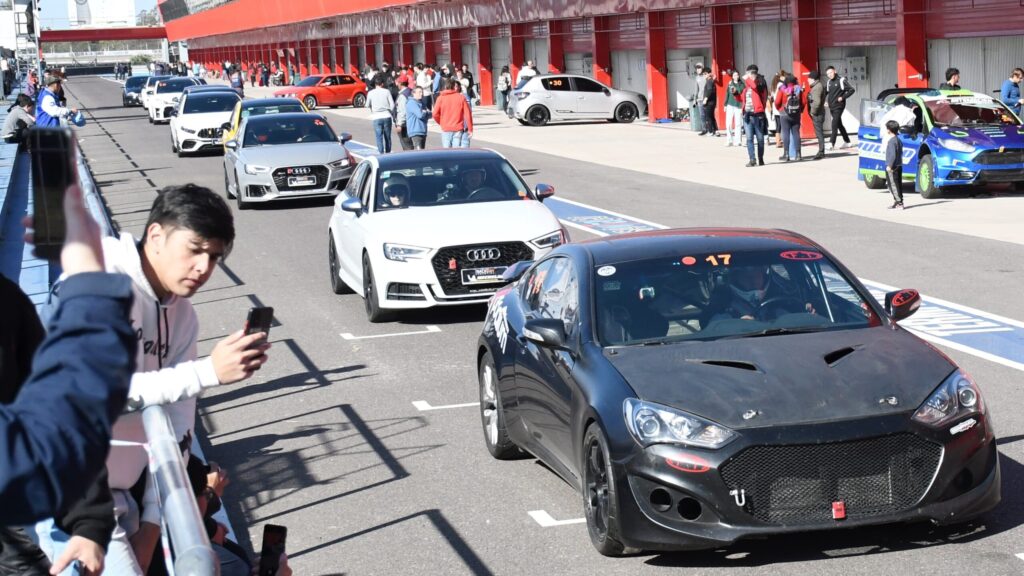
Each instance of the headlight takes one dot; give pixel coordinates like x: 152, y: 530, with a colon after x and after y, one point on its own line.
x: 403, y: 253
x: 339, y: 163
x: 958, y: 145
x: 254, y: 169
x: 552, y: 240
x: 956, y: 397
x: 187, y: 130
x: 651, y: 423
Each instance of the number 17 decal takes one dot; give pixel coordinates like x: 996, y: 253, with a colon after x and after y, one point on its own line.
x: 716, y: 259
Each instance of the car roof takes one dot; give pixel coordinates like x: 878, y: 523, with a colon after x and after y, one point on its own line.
x: 257, y: 102
x: 673, y: 242
x: 399, y: 160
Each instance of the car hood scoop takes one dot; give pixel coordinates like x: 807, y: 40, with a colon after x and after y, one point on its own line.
x: 787, y: 379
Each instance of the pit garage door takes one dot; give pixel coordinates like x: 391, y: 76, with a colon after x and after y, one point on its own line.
x: 501, y: 56
x: 767, y: 44
x: 629, y: 70
x: 579, y: 63
x: 681, y: 83
x: 419, y: 53
x: 870, y: 69
x: 537, y: 50
x: 983, y: 62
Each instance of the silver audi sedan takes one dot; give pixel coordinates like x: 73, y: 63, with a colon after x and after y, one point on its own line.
x: 293, y: 155
x: 572, y: 97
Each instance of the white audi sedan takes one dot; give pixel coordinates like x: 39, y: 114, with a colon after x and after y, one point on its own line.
x: 434, y: 228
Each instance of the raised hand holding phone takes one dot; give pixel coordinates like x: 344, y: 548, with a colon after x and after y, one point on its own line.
x: 236, y: 357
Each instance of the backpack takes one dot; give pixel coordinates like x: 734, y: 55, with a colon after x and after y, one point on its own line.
x: 793, y: 106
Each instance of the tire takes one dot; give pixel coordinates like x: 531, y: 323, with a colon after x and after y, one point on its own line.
x: 174, y: 147
x: 523, y: 122
x: 338, y: 285
x: 492, y: 415
x: 600, y: 499
x: 537, y: 115
x: 242, y: 204
x: 626, y: 113
x: 874, y: 182
x: 227, y: 186
x: 374, y: 313
x: 926, y: 178
x: 359, y: 100
x: 150, y: 117
x: 310, y: 102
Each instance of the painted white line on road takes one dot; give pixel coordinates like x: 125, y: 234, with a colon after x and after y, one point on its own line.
x: 423, y: 405
x: 1021, y: 555
x: 429, y: 330
x: 546, y: 521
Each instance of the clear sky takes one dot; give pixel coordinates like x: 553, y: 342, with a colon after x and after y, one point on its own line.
x: 55, y: 12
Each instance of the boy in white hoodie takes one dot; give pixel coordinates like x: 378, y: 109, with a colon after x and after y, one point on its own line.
x: 190, y: 229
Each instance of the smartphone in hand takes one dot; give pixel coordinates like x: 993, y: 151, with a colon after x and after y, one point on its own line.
x: 259, y: 320
x: 274, y: 538
x: 54, y: 169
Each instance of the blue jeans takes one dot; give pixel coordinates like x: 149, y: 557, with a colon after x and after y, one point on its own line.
x: 382, y: 128
x: 458, y: 139
x: 790, y: 133
x: 755, y: 124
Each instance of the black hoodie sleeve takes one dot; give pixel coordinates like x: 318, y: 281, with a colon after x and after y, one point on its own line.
x: 92, y: 515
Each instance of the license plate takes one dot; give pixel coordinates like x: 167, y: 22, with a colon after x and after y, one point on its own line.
x: 490, y: 275
x: 302, y: 181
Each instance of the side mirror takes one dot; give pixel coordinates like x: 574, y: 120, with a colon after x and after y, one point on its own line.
x: 901, y: 304
x: 352, y: 205
x: 345, y: 137
x: 547, y: 332
x: 231, y: 144
x: 174, y: 113
x: 544, y: 191
x: 607, y: 92
x: 225, y: 126
x: 516, y: 271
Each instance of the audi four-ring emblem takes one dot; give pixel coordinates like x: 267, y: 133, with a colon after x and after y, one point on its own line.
x: 482, y: 254
x: 300, y: 170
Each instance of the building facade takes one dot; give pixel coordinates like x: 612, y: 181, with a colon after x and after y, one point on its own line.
x: 650, y: 46
x: 101, y: 13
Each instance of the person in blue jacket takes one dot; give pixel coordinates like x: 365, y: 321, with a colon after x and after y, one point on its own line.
x: 55, y: 436
x: 1010, y: 92
x: 416, y: 117
x: 48, y: 109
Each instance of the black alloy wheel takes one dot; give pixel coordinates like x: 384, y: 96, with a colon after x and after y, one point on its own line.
x: 537, y: 115
x: 600, y: 500
x: 370, y: 299
x: 338, y: 286
x: 626, y: 113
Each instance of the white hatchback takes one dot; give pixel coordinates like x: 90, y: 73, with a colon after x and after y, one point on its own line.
x: 433, y: 228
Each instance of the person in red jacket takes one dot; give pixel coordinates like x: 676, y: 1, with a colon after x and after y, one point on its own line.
x: 453, y: 114
x: 752, y: 101
x: 790, y: 102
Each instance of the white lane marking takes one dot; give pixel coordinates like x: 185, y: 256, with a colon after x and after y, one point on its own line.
x: 546, y: 521
x: 423, y: 405
x: 429, y: 330
x: 1021, y: 555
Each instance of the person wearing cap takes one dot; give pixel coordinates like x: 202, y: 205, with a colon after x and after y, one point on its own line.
x: 48, y: 110
x: 816, y: 109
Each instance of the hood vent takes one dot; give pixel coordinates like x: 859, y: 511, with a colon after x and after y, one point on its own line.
x: 836, y: 355
x: 730, y: 364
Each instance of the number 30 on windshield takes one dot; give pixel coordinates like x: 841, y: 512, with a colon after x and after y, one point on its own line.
x: 719, y: 259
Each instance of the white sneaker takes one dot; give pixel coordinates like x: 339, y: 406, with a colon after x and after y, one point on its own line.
x: 831, y: 147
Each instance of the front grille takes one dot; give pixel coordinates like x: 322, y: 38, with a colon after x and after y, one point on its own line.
x: 281, y: 177
x: 996, y: 158
x: 450, y: 278
x: 999, y: 176
x: 795, y: 485
x: 210, y: 133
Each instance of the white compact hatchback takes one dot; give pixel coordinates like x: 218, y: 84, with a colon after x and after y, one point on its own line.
x: 549, y: 98
x: 432, y: 228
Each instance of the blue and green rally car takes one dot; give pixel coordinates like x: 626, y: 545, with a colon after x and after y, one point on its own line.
x: 960, y: 138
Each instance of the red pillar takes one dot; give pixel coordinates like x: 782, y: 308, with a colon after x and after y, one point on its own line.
x: 556, y: 48
x: 429, y: 48
x: 407, y: 42
x: 911, y: 45
x: 657, y: 68
x: 805, y: 52
x: 518, y: 53
x: 484, y: 73
x: 455, y: 47
x: 722, y: 55
x: 353, y: 56
x: 602, y: 51
x: 314, y: 56
x: 339, y: 56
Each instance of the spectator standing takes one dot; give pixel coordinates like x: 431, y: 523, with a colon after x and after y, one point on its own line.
x: 837, y: 91
x: 425, y: 81
x: 504, y: 87
x: 733, y: 110
x: 237, y: 81
x: 894, y: 164
x: 816, y: 110
x: 773, y: 112
x: 453, y: 114
x: 416, y: 116
x: 1010, y: 91
x: 253, y: 73
x: 525, y: 74
x: 789, y: 101
x: 754, y: 99
x: 952, y: 80
x: 400, y: 115
x: 709, y: 104
x: 468, y: 75
x: 436, y: 80
x: 696, y: 107
x: 32, y: 87
x: 48, y: 111
x: 382, y: 113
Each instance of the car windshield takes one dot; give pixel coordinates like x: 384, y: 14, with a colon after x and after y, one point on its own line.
x: 277, y: 131
x: 709, y: 296
x: 276, y: 109
x: 310, y: 81
x: 204, y: 103
x: 452, y: 181
x: 969, y: 110
x: 135, y: 82
x: 171, y: 86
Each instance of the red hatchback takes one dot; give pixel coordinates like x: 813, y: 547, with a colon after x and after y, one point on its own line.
x: 327, y: 90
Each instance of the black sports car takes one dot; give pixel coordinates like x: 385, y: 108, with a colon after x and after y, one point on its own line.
x: 704, y: 386
x: 132, y: 89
